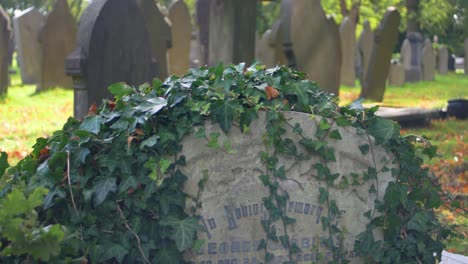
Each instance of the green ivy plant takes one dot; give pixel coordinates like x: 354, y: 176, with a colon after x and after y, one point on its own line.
x: 115, y: 188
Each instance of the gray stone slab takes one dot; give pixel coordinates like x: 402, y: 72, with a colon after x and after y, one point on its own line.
x: 396, y: 76
x: 428, y: 61
x: 411, y: 56
x: 57, y: 39
x: 316, y: 44
x: 231, y: 201
x: 442, y: 60
x: 27, y: 26
x: 364, y: 47
x: 181, y: 28
x: 385, y: 40
x: 409, y: 116
x: 160, y: 35
x: 5, y: 36
x: 348, y: 50
x: 112, y: 46
x: 232, y: 31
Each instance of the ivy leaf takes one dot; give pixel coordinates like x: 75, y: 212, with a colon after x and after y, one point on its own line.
x: 184, y: 231
x: 92, y: 124
x: 120, y: 90
x: 323, y: 195
x: 149, y: 142
x: 167, y: 255
x: 152, y: 105
x: 103, y: 186
x: 3, y: 162
x: 382, y: 129
x: 224, y: 114
x: 109, y: 250
x: 419, y: 222
x: 357, y: 104
x: 335, y: 134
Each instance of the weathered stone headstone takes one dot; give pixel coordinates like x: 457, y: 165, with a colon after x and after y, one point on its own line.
x: 348, y: 49
x: 179, y: 54
x: 442, y: 61
x: 232, y: 197
x: 396, y: 76
x: 112, y: 46
x: 160, y: 35
x: 364, y: 47
x: 5, y: 35
x: 451, y: 63
x: 466, y: 55
x: 232, y: 31
x: 316, y: 43
x: 385, y: 39
x: 27, y: 26
x: 428, y: 61
x: 263, y: 51
x: 411, y: 56
x: 57, y: 39
x: 203, y: 19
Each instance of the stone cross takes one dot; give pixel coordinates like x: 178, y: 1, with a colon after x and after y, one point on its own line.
x: 348, y: 49
x: 57, y: 39
x: 112, y: 46
x: 179, y: 54
x: 27, y: 26
x: 5, y: 36
x: 160, y: 35
x: 232, y: 31
x: 411, y: 55
x: 385, y: 39
x: 364, y: 47
x: 428, y: 61
x: 315, y: 43
x: 442, y: 61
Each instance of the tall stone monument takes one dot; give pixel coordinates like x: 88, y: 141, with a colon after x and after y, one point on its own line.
x: 385, y: 39
x: 428, y: 61
x: 179, y: 54
x: 160, y: 35
x: 112, y: 46
x: 348, y: 49
x: 27, y: 26
x: 5, y: 35
x: 364, y: 48
x: 315, y: 43
x: 232, y: 31
x: 232, y: 198
x: 57, y: 39
x: 203, y: 20
x: 442, y: 60
x: 411, y: 56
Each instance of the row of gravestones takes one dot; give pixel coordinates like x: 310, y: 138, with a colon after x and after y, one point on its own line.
x: 306, y: 38
x: 44, y: 42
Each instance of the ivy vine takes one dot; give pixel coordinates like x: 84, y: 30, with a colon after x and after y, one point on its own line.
x: 116, y: 190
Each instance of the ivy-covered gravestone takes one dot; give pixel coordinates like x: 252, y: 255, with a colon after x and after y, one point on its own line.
x: 231, y: 165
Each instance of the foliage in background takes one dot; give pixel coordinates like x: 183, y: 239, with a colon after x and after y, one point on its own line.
x: 114, y: 182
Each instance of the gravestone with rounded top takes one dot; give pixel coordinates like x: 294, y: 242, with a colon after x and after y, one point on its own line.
x: 179, y: 53
x: 232, y: 31
x: 112, y: 46
x: 385, y: 39
x: 159, y: 31
x: 411, y: 56
x: 5, y: 36
x: 316, y: 43
x: 57, y: 39
x: 348, y: 49
x: 428, y: 61
x: 442, y: 60
x: 27, y: 26
x: 232, y: 207
x: 364, y: 47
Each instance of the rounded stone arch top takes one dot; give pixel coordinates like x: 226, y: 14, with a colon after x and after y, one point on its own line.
x: 113, y: 46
